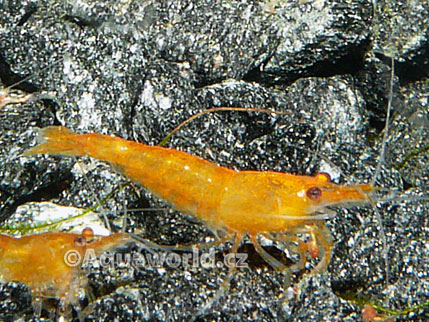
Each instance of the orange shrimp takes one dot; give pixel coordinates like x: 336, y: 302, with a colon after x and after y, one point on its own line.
x: 256, y: 203
x: 49, y: 264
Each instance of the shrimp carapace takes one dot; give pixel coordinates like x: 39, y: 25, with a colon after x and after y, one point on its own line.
x: 256, y: 201
x: 50, y: 263
x: 238, y: 202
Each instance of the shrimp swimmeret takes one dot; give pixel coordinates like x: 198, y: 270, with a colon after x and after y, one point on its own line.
x: 40, y: 262
x: 255, y: 203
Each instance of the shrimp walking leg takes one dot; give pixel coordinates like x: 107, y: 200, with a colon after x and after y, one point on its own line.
x: 324, y: 238
x: 276, y: 264
x: 294, y: 246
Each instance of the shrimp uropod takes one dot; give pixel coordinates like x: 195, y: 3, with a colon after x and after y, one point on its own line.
x: 254, y: 203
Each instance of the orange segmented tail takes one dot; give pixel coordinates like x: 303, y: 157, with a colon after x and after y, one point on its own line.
x: 57, y: 140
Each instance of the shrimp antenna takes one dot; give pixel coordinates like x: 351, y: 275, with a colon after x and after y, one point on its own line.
x: 386, y: 125
x: 91, y: 187
x: 218, y: 109
x: 378, y: 171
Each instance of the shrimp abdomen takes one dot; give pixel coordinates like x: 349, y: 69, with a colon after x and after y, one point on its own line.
x: 175, y: 176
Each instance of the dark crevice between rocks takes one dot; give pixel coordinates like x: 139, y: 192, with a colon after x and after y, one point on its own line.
x: 29, y: 11
x: 201, y: 80
x: 16, y: 81
x: 138, y: 86
x: 83, y: 22
x: 9, y: 78
x: 52, y: 106
x: 44, y: 193
x: 413, y: 69
x: 373, y: 82
x: 350, y: 63
x: 347, y: 289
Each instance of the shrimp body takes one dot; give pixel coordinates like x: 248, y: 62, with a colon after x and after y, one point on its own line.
x: 42, y: 263
x: 248, y: 201
x: 240, y: 202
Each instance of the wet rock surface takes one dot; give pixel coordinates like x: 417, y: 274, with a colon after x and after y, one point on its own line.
x: 138, y: 69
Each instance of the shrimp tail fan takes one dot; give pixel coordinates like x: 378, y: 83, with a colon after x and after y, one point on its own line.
x: 57, y: 140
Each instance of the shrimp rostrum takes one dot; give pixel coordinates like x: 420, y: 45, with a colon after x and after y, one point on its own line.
x: 257, y: 204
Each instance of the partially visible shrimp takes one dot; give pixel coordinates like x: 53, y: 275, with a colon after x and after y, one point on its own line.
x: 49, y: 264
x: 8, y: 96
x: 269, y: 204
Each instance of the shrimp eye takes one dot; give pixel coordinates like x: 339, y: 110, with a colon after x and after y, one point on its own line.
x: 314, y: 193
x: 80, y: 241
x: 88, y: 232
x: 323, y: 176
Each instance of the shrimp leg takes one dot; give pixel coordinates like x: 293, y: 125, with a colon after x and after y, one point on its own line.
x: 275, y: 263
x: 323, y: 237
x: 293, y: 246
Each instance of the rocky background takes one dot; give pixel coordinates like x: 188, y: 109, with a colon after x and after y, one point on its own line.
x: 137, y: 69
